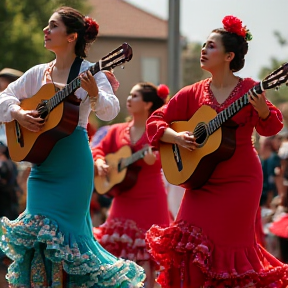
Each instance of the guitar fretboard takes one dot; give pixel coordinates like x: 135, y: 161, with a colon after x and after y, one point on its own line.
x: 133, y: 158
x: 115, y: 58
x: 234, y: 108
x: 69, y: 88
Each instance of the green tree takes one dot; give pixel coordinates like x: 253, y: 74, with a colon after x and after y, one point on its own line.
x: 21, y: 24
x: 277, y: 97
x: 191, y: 69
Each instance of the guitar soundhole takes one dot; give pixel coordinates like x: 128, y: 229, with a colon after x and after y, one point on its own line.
x: 200, y: 133
x: 44, y: 115
x: 43, y: 109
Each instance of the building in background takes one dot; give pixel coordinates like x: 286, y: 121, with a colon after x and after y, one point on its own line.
x: 147, y: 34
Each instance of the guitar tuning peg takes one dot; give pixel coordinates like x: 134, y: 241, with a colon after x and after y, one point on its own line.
x: 122, y: 66
x: 277, y: 88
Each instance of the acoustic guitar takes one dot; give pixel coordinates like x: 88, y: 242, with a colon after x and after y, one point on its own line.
x: 215, y: 134
x: 60, y: 111
x: 119, y: 176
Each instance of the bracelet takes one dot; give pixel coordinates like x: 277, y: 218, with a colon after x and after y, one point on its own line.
x: 93, y: 102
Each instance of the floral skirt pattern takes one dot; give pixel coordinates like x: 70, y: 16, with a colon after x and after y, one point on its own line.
x: 51, y: 243
x: 40, y: 252
x: 181, y: 244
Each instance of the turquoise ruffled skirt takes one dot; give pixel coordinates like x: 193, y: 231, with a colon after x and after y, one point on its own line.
x: 53, y: 237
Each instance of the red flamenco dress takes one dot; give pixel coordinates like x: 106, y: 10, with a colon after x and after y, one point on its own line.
x: 133, y: 211
x: 212, y: 241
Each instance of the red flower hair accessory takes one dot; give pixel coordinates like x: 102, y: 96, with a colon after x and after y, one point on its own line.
x: 92, y: 28
x: 233, y: 24
x: 163, y: 91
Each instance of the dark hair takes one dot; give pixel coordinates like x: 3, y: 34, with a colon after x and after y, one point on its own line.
x: 9, y: 78
x: 4, y: 150
x: 150, y: 93
x: 236, y: 44
x: 85, y: 27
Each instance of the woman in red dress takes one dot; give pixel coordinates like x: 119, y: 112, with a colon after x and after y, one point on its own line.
x: 212, y: 242
x: 135, y: 210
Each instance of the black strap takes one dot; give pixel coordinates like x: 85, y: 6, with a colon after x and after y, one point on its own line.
x: 74, y: 70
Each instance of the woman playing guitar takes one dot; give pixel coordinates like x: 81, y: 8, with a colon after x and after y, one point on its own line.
x: 133, y: 211
x: 51, y: 242
x: 212, y: 242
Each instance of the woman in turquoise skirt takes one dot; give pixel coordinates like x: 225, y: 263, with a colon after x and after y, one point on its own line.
x: 51, y: 243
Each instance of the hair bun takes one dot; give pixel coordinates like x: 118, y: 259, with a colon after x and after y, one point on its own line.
x: 163, y: 91
x: 92, y: 28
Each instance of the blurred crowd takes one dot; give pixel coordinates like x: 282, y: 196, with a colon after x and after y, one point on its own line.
x: 273, y: 154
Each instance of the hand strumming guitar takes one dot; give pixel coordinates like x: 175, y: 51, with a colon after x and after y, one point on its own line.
x: 185, y: 139
x: 100, y: 167
x: 29, y: 119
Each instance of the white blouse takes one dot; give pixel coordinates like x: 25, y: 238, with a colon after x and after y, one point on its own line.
x: 107, y: 106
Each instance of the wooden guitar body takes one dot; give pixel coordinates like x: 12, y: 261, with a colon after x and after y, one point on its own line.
x: 117, y: 180
x: 215, y: 134
x: 198, y: 165
x: 60, y: 111
x: 61, y: 122
x: 128, y: 182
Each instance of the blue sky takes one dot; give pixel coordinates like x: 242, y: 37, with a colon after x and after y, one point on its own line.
x: 262, y: 18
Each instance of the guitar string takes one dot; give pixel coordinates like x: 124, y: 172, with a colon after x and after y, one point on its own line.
x: 235, y: 107
x: 199, y: 131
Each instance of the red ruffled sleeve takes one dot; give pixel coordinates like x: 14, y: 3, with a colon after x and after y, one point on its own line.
x: 271, y: 125
x: 156, y: 125
x: 104, y: 146
x: 177, y: 109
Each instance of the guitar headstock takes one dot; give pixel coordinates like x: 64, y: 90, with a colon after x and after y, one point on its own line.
x: 276, y: 78
x: 117, y: 57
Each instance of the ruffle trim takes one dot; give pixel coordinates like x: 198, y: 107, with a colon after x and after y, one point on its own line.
x: 123, y: 238
x: 182, y: 243
x: 82, y: 258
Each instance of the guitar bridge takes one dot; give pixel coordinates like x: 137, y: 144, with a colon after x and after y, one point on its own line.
x: 19, y: 135
x: 177, y: 157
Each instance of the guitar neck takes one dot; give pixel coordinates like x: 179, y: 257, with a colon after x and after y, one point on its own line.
x: 233, y: 109
x: 117, y: 57
x: 133, y: 158
x: 70, y: 88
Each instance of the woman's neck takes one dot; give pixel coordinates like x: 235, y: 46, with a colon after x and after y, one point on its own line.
x: 224, y: 80
x: 61, y: 68
x: 139, y: 120
x: 64, y: 61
